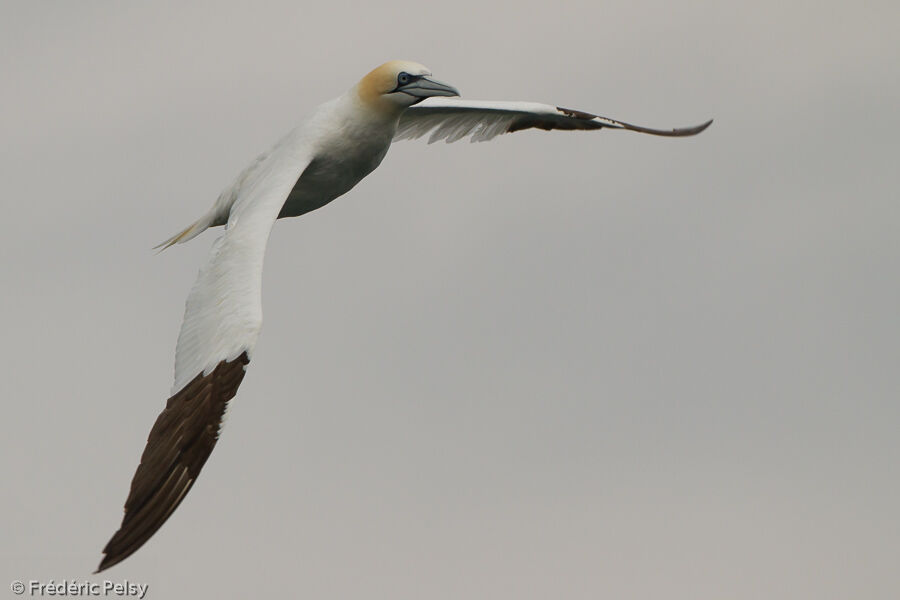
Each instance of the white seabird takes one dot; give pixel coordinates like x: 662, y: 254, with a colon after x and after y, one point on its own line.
x: 339, y: 144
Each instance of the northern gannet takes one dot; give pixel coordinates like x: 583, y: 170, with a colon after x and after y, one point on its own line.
x: 338, y: 145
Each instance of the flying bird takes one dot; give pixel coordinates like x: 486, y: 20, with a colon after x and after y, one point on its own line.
x: 324, y: 157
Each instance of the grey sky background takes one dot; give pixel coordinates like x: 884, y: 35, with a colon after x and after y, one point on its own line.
x: 551, y: 366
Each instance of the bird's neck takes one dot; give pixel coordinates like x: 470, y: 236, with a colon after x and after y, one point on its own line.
x: 374, y: 106
x: 349, y: 119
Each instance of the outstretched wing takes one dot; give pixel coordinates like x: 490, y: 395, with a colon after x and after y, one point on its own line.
x: 452, y: 119
x: 222, y: 319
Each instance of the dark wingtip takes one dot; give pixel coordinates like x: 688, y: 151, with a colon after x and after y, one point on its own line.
x: 700, y: 128
x: 179, y: 443
x: 679, y: 132
x: 111, y: 560
x: 686, y: 131
x: 104, y: 564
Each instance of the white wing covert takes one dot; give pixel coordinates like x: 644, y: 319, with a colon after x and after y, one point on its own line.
x: 223, y: 312
x: 452, y: 119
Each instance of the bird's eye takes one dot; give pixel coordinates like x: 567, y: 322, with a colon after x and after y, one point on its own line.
x: 403, y: 78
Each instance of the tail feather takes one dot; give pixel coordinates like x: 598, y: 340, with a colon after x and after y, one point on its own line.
x: 185, y: 235
x: 217, y: 215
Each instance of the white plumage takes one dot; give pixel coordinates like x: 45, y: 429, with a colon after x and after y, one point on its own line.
x: 323, y: 158
x: 223, y: 312
x: 452, y: 119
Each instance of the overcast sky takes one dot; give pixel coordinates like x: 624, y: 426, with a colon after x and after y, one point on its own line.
x: 556, y: 365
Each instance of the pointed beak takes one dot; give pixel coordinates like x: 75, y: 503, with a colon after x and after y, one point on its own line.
x: 426, y: 87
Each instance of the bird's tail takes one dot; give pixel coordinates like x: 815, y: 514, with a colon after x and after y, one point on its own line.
x: 189, y: 233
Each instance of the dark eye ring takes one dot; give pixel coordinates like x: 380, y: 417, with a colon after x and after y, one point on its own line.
x: 403, y: 78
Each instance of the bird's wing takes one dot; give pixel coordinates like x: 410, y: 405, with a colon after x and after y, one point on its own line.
x: 222, y: 320
x: 452, y: 119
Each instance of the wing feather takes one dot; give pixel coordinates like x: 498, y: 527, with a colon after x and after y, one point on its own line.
x: 452, y: 119
x: 178, y: 446
x: 223, y: 312
x: 222, y: 319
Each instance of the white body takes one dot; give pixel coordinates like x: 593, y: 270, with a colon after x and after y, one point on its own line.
x: 342, y: 142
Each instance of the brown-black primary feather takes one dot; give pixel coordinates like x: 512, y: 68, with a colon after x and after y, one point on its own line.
x: 179, y: 443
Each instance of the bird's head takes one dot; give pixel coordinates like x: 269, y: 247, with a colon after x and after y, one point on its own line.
x: 398, y: 84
